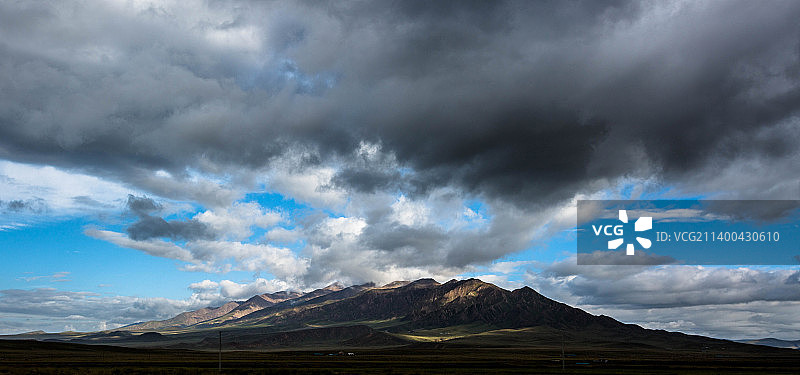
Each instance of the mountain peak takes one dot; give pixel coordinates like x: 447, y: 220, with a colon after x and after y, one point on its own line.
x: 186, y: 318
x: 473, y: 282
x: 422, y: 283
x: 276, y: 297
x: 396, y: 284
x: 335, y: 287
x: 257, y: 297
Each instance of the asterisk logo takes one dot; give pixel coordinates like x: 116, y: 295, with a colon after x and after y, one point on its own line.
x: 642, y: 224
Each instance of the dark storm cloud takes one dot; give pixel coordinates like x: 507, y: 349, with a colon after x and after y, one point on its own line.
x: 155, y: 227
x: 149, y: 226
x: 562, y: 95
x: 390, y: 237
x: 142, y: 205
x: 528, y: 102
x: 673, y: 286
x: 35, y: 205
x: 793, y: 278
x: 620, y: 258
x: 524, y: 157
x: 367, y: 180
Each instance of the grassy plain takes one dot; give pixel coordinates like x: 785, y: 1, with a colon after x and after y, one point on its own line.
x: 31, y: 357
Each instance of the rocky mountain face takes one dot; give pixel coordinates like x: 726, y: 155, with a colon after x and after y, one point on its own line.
x: 422, y: 313
x: 273, y: 303
x: 185, y: 319
x: 228, y: 311
x: 427, y: 304
x: 318, y: 297
x: 256, y: 303
x: 421, y: 304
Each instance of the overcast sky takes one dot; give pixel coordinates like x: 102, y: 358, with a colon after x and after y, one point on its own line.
x: 159, y: 156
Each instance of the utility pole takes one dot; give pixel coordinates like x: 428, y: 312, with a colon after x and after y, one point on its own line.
x: 220, y: 352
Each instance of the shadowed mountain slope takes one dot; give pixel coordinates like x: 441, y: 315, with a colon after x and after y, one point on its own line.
x: 427, y: 304
x: 278, y: 305
x: 256, y: 303
x: 420, y: 314
x: 184, y: 319
x: 306, y: 300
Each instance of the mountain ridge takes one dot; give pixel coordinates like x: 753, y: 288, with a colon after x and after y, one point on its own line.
x: 184, y: 319
x: 422, y: 303
x: 418, y: 314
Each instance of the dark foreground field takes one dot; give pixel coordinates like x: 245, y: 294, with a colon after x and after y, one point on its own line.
x: 31, y: 357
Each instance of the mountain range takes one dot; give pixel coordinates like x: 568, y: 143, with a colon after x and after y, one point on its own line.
x: 462, y: 313
x: 400, y: 306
